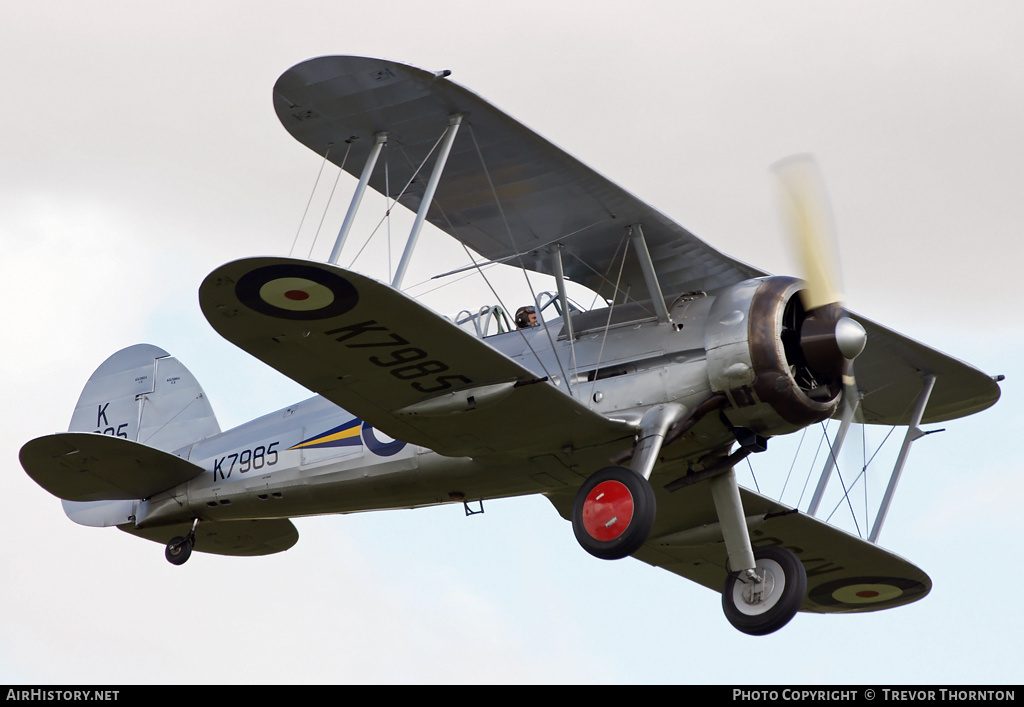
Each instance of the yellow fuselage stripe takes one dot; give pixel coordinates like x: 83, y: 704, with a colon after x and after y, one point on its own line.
x: 344, y: 434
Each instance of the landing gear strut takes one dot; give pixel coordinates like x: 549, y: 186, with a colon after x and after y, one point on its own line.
x: 614, y: 509
x: 179, y: 549
x: 613, y: 513
x: 764, y: 603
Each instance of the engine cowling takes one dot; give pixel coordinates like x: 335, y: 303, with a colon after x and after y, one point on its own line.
x: 771, y: 360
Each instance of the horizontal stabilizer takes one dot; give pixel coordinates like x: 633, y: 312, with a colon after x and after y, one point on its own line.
x: 83, y: 466
x: 240, y: 538
x: 100, y: 514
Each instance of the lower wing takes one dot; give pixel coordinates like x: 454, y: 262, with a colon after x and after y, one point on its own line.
x: 241, y: 538
x: 392, y: 362
x: 844, y: 573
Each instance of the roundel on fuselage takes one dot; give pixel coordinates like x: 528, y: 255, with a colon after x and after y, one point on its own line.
x: 381, y: 449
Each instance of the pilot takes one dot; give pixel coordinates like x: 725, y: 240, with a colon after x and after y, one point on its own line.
x: 526, y: 317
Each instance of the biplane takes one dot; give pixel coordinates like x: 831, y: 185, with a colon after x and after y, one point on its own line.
x: 630, y: 418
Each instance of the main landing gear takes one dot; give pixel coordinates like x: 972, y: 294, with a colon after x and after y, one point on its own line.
x: 614, y: 509
x: 179, y: 549
x: 764, y: 602
x: 613, y: 513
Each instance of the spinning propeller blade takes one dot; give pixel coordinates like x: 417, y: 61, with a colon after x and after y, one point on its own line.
x: 830, y: 340
x: 809, y: 220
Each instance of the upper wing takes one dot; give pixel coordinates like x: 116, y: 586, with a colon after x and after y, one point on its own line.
x: 891, y: 372
x: 392, y: 362
x: 505, y: 191
x: 844, y: 573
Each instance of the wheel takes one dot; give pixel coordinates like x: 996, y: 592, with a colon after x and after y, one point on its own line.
x: 785, y: 583
x: 613, y: 513
x: 178, y: 550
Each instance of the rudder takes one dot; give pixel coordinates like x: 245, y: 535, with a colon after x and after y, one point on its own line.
x: 144, y: 394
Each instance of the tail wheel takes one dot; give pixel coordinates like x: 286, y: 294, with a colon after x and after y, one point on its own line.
x: 760, y: 609
x: 178, y: 550
x: 613, y: 513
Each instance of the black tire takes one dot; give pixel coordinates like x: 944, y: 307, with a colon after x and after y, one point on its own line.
x: 598, y: 527
x: 786, y: 585
x: 178, y: 550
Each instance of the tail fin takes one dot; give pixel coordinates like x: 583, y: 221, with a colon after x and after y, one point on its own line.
x: 144, y: 394
x: 152, y: 402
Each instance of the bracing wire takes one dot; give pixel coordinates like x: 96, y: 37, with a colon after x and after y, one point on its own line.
x: 863, y: 471
x: 302, y: 220
x: 480, y: 271
x: 864, y: 468
x: 398, y: 198
x: 867, y: 462
x: 390, y: 205
x: 608, y: 322
x: 529, y: 284
x: 606, y: 281
x: 472, y: 272
x: 810, y: 469
x: 792, y: 465
x: 846, y: 491
x: 316, y: 236
x: 752, y: 475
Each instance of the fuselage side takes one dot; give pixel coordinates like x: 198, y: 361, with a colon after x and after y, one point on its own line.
x: 315, y: 458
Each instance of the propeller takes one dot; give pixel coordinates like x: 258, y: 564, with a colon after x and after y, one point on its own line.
x: 828, y: 339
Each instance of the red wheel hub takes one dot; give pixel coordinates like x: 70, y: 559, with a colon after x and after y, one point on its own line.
x: 607, y: 510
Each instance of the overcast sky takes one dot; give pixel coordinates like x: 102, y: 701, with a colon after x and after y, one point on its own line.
x: 139, y: 150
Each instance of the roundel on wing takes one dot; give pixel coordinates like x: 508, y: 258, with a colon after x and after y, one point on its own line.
x: 873, y: 592
x: 295, y: 291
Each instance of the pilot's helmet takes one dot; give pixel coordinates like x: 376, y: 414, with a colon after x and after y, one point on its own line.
x: 523, y: 317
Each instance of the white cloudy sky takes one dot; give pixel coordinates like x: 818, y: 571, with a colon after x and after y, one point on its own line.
x: 139, y: 150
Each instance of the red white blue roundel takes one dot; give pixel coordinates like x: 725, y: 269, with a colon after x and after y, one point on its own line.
x: 873, y: 592
x: 295, y: 291
x: 381, y: 449
x: 296, y: 294
x: 349, y: 434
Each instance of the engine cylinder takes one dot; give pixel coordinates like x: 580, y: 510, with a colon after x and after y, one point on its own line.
x: 756, y: 358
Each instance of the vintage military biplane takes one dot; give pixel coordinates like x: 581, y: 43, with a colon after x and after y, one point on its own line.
x: 629, y: 418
